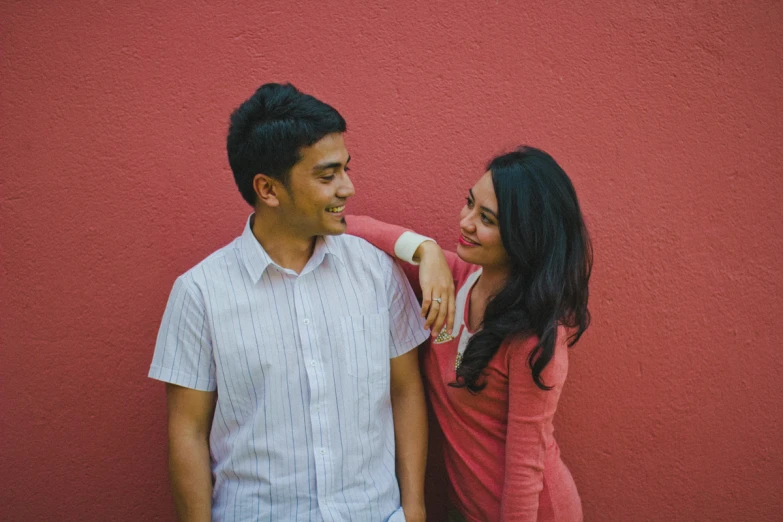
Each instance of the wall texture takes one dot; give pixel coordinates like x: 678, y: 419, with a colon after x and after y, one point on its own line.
x: 667, y: 115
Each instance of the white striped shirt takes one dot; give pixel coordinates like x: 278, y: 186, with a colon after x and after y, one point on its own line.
x: 303, y: 425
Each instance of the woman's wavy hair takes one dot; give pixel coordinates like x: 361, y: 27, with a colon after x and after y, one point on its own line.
x: 545, y: 237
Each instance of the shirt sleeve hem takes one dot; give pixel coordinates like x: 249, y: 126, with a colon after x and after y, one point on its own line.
x: 412, y: 343
x: 186, y: 380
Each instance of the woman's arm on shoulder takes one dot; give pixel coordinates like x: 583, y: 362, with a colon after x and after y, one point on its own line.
x: 402, y: 243
x: 384, y: 236
x: 381, y: 235
x: 432, y: 272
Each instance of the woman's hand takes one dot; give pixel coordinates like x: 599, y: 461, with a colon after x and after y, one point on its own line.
x: 436, y: 282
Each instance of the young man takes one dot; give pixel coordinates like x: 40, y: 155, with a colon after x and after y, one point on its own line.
x: 293, y: 385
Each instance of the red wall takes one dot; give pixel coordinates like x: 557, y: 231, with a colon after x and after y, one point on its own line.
x: 667, y: 117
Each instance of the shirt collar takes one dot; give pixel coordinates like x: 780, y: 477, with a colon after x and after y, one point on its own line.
x: 257, y: 260
x: 330, y: 246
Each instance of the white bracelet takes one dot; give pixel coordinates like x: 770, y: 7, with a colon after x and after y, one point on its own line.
x: 406, y: 246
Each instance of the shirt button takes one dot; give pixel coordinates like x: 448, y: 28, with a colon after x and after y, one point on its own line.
x: 318, y: 408
x: 323, y: 451
x: 312, y: 363
x: 306, y: 321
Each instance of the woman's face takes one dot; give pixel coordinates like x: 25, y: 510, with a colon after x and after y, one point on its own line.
x: 479, y: 241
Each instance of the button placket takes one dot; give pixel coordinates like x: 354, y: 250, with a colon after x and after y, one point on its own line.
x: 309, y: 336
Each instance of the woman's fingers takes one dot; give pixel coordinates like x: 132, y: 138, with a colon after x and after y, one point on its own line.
x: 452, y: 312
x: 437, y: 289
x: 426, y: 300
x: 440, y: 319
x: 432, y: 315
x: 446, y: 310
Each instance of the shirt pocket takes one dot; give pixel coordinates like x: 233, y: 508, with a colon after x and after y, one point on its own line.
x: 363, y: 353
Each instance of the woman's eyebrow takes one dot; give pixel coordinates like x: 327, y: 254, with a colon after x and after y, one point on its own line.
x: 485, y: 209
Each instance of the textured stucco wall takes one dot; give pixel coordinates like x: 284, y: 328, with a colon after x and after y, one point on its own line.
x: 667, y: 115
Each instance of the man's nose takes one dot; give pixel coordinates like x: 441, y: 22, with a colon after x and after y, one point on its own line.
x: 346, y: 189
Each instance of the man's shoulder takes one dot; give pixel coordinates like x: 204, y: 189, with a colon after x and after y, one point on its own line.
x: 357, y: 250
x: 220, y: 259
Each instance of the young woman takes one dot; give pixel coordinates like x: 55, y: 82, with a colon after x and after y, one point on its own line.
x: 494, y: 374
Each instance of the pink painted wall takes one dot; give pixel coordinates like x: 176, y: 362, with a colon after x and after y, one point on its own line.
x: 667, y: 115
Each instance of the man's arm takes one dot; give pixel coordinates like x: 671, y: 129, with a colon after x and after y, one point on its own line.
x: 410, y: 432
x: 190, y: 419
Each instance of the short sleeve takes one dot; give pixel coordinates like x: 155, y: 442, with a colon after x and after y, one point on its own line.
x: 183, y: 351
x: 405, y: 321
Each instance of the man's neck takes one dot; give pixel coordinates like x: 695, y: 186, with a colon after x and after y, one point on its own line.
x: 285, y: 248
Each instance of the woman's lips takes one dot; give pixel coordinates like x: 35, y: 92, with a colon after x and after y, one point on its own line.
x: 466, y: 242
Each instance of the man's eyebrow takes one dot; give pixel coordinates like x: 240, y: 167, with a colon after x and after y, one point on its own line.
x: 330, y: 165
x: 485, y: 209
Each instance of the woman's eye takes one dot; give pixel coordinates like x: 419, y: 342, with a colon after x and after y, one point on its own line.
x: 485, y: 219
x: 469, y: 202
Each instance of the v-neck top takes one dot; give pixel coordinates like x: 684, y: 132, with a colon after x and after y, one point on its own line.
x: 500, y: 452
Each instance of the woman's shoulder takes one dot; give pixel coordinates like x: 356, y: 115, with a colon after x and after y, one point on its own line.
x: 518, y: 349
x: 463, y: 273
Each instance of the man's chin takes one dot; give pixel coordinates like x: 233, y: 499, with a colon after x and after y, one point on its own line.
x: 335, y: 229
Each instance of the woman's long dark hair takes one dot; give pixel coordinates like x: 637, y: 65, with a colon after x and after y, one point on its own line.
x: 545, y: 237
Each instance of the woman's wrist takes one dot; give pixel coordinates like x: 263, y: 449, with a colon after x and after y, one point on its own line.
x: 407, y: 245
x: 428, y: 245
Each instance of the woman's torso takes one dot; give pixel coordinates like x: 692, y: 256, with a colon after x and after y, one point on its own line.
x: 475, y: 426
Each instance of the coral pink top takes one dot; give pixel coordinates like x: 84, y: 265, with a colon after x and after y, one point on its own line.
x: 500, y: 453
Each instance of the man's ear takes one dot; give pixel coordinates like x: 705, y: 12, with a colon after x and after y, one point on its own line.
x: 267, y: 189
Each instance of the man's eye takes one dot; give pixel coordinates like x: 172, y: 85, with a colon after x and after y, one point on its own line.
x: 347, y: 169
x: 330, y: 177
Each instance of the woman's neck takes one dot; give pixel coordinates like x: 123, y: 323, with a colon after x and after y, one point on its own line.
x: 490, y: 282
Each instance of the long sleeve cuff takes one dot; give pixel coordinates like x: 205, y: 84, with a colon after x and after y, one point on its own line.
x: 406, y: 246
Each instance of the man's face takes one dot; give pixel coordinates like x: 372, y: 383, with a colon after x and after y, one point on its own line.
x: 313, y: 204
